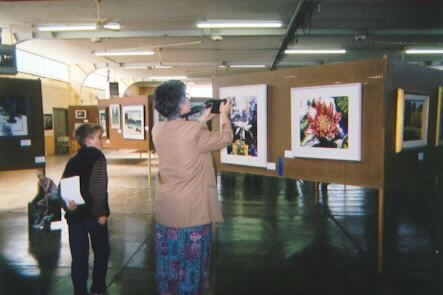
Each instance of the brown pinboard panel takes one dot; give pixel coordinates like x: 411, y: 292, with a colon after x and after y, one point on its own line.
x: 115, y: 136
x: 369, y: 171
x: 403, y: 170
x: 91, y: 117
x: 13, y: 155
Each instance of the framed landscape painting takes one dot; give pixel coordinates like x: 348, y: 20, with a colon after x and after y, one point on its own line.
x: 411, y: 121
x: 439, y: 122
x: 326, y: 122
x: 102, y: 121
x: 114, y: 115
x: 133, y: 122
x: 249, y: 122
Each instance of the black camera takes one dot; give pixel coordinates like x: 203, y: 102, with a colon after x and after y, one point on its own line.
x: 213, y: 103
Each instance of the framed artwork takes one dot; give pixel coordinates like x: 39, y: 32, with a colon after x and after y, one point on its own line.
x: 81, y: 114
x: 439, y: 127
x: 411, y: 121
x: 14, y: 116
x: 133, y: 122
x: 326, y: 122
x: 249, y: 122
x: 114, y: 115
x: 76, y: 125
x: 47, y: 121
x: 102, y: 121
x: 158, y: 117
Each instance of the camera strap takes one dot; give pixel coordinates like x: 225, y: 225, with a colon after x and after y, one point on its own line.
x: 197, y: 109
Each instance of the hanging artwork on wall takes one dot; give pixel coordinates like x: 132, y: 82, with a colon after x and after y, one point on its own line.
x: 326, y: 122
x: 158, y: 117
x: 411, y: 121
x: 133, y: 122
x: 439, y: 127
x: 14, y: 116
x: 80, y: 114
x: 47, y: 124
x: 249, y: 122
x: 114, y: 115
x: 102, y: 121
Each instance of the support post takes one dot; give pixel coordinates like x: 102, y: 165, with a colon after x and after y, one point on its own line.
x: 380, y: 235
x: 149, y: 168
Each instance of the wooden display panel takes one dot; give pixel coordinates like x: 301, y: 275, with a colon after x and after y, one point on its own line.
x: 380, y: 167
x: 369, y: 171
x: 115, y: 136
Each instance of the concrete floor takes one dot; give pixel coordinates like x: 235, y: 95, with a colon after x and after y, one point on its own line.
x: 275, y: 238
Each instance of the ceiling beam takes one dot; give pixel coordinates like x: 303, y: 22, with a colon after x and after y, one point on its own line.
x: 298, y: 17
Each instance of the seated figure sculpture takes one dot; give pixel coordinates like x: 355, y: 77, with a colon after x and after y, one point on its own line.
x: 45, y: 207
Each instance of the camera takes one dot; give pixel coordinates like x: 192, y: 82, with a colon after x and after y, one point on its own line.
x: 213, y: 103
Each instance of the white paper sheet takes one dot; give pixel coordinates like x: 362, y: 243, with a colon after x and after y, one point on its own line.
x: 70, y: 190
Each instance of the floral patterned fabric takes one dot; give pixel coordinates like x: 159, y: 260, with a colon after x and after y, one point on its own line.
x: 182, y: 259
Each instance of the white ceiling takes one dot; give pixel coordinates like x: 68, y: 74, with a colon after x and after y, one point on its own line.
x: 367, y: 29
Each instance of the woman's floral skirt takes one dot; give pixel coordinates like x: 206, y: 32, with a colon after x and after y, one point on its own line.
x: 182, y: 258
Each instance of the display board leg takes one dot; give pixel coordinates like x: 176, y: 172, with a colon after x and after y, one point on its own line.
x: 317, y: 192
x: 380, y: 236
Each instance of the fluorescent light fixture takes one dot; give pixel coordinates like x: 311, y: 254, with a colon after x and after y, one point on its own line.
x: 315, y: 51
x: 79, y: 27
x: 135, y: 67
x: 162, y: 67
x: 425, y: 51
x: 247, y: 66
x: 238, y: 24
x: 124, y: 52
x: 161, y: 78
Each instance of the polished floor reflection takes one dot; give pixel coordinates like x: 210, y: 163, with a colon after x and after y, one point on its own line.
x: 275, y: 239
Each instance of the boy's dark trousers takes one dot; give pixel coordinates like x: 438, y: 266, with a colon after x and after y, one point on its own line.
x: 79, y: 234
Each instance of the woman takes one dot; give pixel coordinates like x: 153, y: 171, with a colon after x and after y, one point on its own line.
x: 186, y: 201
x: 89, y: 221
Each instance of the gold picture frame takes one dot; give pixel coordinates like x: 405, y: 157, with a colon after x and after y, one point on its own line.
x: 439, y: 122
x: 411, y: 120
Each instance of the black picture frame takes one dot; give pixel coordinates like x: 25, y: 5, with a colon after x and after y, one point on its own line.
x: 47, y: 121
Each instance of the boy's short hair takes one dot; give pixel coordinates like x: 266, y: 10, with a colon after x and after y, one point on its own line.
x: 86, y: 130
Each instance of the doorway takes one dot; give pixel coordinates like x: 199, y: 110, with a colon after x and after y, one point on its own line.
x: 61, y: 131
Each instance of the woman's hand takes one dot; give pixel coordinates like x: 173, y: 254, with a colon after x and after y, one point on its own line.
x: 206, y: 116
x: 72, y: 205
x: 225, y: 109
x: 102, y: 219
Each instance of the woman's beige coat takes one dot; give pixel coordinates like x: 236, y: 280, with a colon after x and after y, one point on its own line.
x: 186, y: 191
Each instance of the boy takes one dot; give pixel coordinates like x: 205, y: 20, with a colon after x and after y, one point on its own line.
x: 89, y: 219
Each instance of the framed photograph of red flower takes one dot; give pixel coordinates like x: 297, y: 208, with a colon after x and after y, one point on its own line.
x: 412, y: 120
x: 249, y: 123
x: 326, y: 122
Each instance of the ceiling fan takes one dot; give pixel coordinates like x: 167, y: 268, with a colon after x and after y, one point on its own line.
x: 105, y: 24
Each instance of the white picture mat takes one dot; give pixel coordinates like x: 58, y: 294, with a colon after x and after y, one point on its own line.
x: 354, y: 93
x: 102, y: 121
x: 128, y: 131
x: 70, y: 190
x: 114, y: 119
x: 260, y: 92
